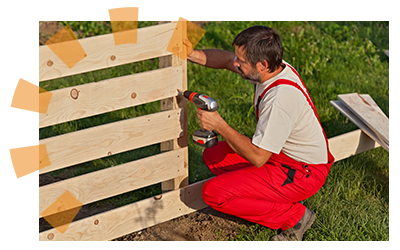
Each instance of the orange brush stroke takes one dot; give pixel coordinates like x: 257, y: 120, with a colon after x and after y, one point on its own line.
x: 31, y: 97
x: 124, y: 23
x: 65, y: 45
x: 184, y: 28
x: 62, y: 211
x: 29, y: 159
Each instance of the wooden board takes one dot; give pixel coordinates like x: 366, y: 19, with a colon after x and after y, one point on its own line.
x: 173, y: 103
x: 369, y: 114
x: 130, y: 218
x: 354, y: 119
x: 102, y: 52
x: 100, y: 97
x: 351, y: 143
x: 116, y: 180
x: 101, y: 141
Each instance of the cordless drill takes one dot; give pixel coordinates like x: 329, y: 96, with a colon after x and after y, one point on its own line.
x: 202, y: 137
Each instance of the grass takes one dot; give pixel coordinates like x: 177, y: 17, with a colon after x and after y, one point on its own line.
x: 332, y: 58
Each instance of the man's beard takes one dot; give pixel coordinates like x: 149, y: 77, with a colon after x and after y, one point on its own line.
x: 253, y: 75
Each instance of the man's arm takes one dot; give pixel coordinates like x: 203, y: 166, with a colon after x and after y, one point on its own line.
x: 212, y: 58
x: 243, y: 146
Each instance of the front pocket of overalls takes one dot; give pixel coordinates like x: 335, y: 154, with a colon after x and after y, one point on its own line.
x: 290, y: 175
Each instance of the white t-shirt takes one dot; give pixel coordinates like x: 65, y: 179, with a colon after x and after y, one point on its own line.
x: 287, y: 122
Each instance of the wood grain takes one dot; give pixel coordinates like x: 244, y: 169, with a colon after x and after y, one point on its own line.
x: 101, y: 141
x: 127, y: 219
x: 103, y: 53
x: 100, y: 97
x: 116, y: 180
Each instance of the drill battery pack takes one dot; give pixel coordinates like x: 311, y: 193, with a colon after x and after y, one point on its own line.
x: 205, y: 138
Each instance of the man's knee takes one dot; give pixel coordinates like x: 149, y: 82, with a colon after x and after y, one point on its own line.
x: 209, y: 192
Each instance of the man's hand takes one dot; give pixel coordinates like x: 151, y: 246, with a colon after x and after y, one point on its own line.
x: 210, y: 120
x: 189, y: 46
x: 241, y: 144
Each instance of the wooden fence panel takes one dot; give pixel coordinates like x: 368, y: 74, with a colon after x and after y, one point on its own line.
x: 102, y: 52
x: 100, y: 97
x: 116, y: 180
x: 101, y: 141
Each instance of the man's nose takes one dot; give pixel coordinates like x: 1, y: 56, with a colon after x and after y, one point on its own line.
x: 235, y: 63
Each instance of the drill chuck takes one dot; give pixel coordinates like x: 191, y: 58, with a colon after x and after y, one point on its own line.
x: 201, y: 101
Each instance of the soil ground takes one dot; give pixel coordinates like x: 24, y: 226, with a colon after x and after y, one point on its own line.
x: 204, y: 225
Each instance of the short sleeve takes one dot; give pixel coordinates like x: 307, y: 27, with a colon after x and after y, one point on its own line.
x: 273, y: 128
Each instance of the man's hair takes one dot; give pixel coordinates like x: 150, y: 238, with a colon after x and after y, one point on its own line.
x: 261, y: 43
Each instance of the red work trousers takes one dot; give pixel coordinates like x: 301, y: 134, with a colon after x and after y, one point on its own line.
x: 268, y: 195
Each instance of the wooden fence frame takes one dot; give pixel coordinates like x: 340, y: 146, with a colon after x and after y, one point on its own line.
x: 168, y: 127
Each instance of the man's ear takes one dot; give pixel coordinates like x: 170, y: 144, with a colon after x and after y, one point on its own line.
x: 262, y: 65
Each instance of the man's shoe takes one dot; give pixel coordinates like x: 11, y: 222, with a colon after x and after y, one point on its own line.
x: 296, y: 233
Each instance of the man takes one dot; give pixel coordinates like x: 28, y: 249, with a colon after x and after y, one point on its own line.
x: 263, y: 179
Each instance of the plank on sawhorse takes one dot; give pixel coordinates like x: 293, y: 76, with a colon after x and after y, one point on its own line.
x: 369, y: 113
x: 354, y: 119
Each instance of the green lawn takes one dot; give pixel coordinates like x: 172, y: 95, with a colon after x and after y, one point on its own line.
x: 332, y: 58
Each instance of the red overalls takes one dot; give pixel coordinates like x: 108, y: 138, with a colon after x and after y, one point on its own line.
x: 268, y: 195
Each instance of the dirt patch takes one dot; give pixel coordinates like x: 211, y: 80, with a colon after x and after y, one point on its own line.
x: 47, y: 30
x: 204, y: 225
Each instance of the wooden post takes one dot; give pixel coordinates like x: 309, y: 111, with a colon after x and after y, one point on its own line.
x: 173, y: 103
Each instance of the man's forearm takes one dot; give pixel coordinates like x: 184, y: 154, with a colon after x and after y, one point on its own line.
x: 213, y: 58
x: 243, y: 146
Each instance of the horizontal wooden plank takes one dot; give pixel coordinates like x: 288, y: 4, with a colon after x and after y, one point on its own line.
x: 127, y: 219
x: 102, y: 52
x: 101, y: 141
x: 100, y: 97
x: 351, y: 143
x: 116, y: 180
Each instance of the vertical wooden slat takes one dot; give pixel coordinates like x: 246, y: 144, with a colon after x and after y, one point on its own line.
x: 172, y: 103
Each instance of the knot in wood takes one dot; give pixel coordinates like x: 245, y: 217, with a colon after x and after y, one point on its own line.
x: 50, y: 236
x: 74, y: 94
x: 109, y: 153
x: 133, y: 95
x: 50, y: 63
x: 158, y: 197
x: 113, y: 58
x: 96, y: 222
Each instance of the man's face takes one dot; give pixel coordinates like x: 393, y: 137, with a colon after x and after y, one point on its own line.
x: 247, y: 71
